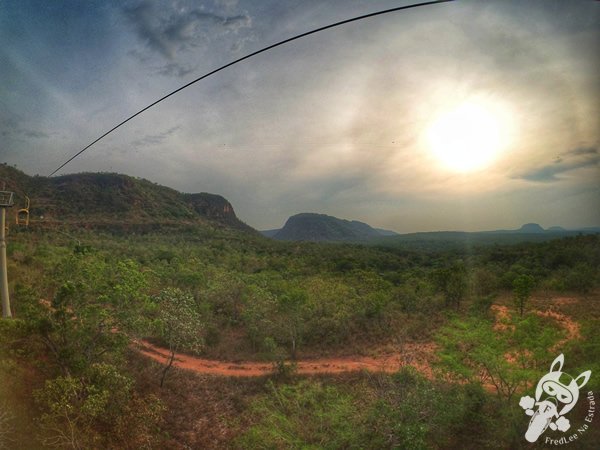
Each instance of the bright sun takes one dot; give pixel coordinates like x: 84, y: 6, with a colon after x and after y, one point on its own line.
x: 469, y: 136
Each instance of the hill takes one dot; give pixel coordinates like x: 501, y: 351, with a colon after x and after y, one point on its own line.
x: 447, y: 240
x: 323, y: 228
x: 528, y: 228
x: 114, y: 200
x: 531, y: 228
x: 556, y: 228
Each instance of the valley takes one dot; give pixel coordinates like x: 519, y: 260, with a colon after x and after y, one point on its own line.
x: 299, y: 225
x: 198, y: 332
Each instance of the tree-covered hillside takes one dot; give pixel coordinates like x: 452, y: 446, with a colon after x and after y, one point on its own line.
x: 114, y: 200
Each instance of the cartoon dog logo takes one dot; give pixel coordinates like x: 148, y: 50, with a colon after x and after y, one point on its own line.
x: 555, y: 395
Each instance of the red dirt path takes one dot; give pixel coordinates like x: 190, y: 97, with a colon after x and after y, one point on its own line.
x: 385, y: 363
x: 417, y: 355
x: 570, y: 326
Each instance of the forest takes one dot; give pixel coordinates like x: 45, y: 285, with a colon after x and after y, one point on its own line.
x: 471, y: 329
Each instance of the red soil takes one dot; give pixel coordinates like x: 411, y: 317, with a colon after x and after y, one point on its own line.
x: 417, y: 355
x: 385, y: 363
x: 572, y: 328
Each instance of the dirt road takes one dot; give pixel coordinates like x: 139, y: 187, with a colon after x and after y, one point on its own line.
x: 417, y: 355
x: 385, y: 363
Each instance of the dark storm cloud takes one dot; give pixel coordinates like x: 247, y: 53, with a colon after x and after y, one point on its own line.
x: 579, y: 158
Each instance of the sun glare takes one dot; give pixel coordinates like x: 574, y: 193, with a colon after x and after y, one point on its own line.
x: 469, y: 136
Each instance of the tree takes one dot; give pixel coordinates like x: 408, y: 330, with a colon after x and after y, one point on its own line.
x: 475, y: 350
x: 305, y: 415
x: 409, y: 412
x: 76, y: 328
x: 180, y: 324
x: 257, y: 317
x: 522, y: 287
x: 581, y: 278
x: 127, y: 293
x: 452, y: 283
x: 291, y: 308
x: 330, y: 304
x: 98, y: 409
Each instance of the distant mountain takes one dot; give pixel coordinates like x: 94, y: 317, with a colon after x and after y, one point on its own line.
x: 324, y: 228
x: 530, y: 228
x: 439, y: 240
x: 321, y: 227
x: 114, y: 200
x: 556, y: 228
x: 589, y: 230
x: 534, y: 228
x: 270, y: 233
x: 383, y: 232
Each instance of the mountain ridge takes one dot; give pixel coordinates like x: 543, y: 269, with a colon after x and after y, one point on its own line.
x: 293, y: 232
x: 315, y: 227
x: 104, y: 199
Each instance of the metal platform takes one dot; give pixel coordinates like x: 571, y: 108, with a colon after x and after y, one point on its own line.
x: 6, y: 199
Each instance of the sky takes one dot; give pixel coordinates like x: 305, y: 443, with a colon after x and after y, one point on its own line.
x: 467, y: 115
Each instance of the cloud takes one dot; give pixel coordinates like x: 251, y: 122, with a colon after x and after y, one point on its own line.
x: 578, y: 158
x: 142, y: 18
x: 185, y: 28
x: 176, y: 70
x: 12, y: 127
x: 154, y: 139
x: 180, y: 30
x: 35, y: 134
x: 584, y: 151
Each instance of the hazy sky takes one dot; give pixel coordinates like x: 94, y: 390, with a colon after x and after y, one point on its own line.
x: 369, y: 121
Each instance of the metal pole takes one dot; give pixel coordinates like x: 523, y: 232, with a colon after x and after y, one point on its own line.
x: 3, y: 273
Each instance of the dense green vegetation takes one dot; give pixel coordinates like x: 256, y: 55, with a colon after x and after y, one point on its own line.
x: 81, y: 297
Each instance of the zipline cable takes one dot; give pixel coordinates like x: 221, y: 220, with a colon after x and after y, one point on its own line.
x: 243, y: 58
